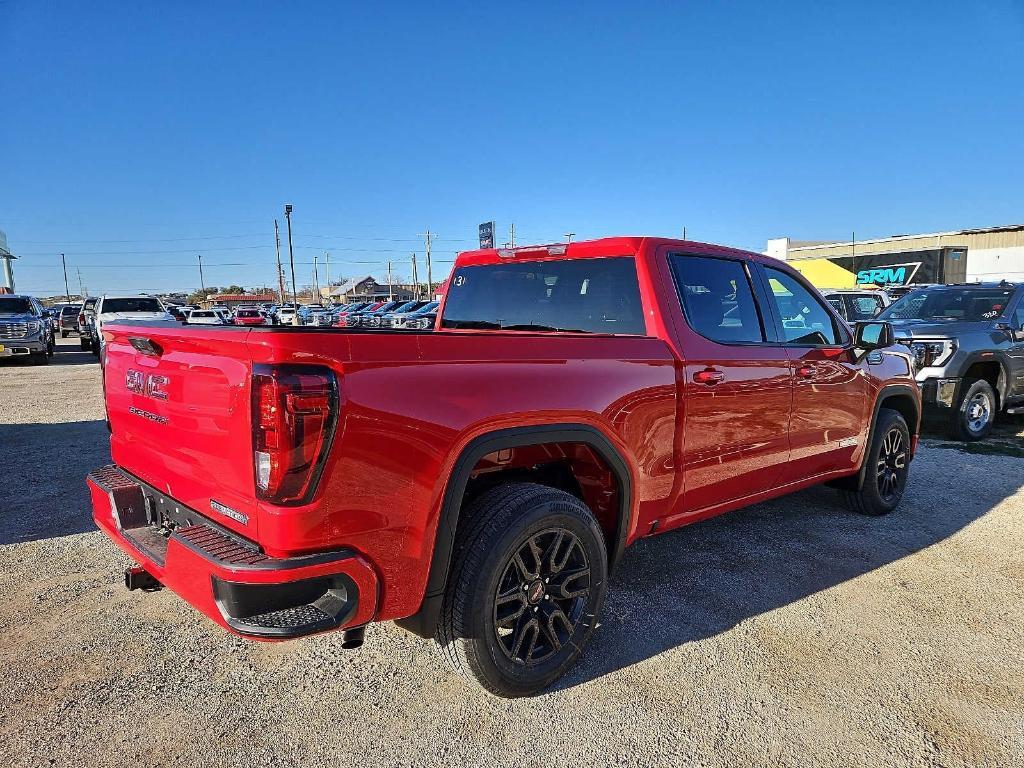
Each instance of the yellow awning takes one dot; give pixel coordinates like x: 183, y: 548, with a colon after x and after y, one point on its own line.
x: 824, y: 274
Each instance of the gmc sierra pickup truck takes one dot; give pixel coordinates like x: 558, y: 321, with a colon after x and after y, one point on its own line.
x: 478, y: 482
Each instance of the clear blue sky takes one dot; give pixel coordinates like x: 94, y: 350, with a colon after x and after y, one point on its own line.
x: 183, y: 128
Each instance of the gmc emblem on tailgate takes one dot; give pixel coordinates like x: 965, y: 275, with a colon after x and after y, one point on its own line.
x: 154, y: 385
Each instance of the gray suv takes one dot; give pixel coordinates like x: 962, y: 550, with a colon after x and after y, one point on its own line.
x: 24, y: 330
x: 968, y: 347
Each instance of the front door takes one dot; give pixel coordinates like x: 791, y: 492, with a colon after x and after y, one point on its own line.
x: 829, y: 388
x: 735, y: 385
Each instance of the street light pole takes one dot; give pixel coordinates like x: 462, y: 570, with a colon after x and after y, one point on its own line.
x: 67, y: 291
x: 280, y: 272
x: 291, y: 259
x: 202, y: 282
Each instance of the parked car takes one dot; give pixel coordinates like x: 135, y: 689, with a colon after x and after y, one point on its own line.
x: 25, y: 331
x: 401, y: 320
x: 249, y: 317
x: 573, y: 400
x: 205, y: 317
x: 125, y: 308
x: 286, y: 315
x: 86, y: 324
x: 373, y: 318
x: 856, y: 305
x: 355, y: 319
x: 67, y: 322
x: 348, y: 309
x: 968, y: 345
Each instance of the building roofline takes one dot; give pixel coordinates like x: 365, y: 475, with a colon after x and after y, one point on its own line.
x: 892, y: 238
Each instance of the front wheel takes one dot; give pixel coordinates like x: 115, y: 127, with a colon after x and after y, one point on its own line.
x: 975, y: 413
x: 887, y: 467
x: 528, y: 579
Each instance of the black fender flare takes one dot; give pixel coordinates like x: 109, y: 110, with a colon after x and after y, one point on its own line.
x: 885, y: 392
x: 424, y: 621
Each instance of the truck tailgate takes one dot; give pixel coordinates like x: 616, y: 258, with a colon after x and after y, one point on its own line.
x: 180, y: 415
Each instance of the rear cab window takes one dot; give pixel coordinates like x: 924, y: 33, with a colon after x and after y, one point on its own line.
x: 594, y: 295
x: 717, y: 298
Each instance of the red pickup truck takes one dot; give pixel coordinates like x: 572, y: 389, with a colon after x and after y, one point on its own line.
x: 478, y: 483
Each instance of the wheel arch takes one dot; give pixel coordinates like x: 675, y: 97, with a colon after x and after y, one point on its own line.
x: 424, y: 621
x: 900, y: 398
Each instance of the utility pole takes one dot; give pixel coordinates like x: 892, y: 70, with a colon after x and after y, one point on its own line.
x: 430, y: 282
x: 391, y: 291
x: 316, y: 282
x: 327, y: 254
x: 568, y: 236
x: 415, y: 277
x: 512, y: 235
x: 291, y: 259
x: 81, y: 287
x: 202, y: 283
x: 280, y: 271
x: 853, y: 254
x: 684, y: 232
x: 67, y: 291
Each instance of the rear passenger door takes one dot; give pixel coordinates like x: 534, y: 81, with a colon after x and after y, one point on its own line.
x: 735, y: 387
x: 829, y: 389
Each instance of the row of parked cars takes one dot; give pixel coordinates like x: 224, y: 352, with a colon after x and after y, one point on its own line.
x: 393, y: 315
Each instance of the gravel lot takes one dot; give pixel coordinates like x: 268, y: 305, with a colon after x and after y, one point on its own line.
x: 790, y: 633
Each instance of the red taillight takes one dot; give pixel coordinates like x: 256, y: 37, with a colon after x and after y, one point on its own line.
x: 81, y: 318
x: 294, y: 412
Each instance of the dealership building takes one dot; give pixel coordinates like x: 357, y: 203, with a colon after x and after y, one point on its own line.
x: 961, y: 256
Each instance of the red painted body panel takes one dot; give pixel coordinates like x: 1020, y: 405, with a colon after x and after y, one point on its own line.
x: 410, y: 403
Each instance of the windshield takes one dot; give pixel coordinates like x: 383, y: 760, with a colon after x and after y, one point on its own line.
x: 14, y: 306
x: 70, y: 310
x: 142, y: 304
x: 963, y: 304
x: 248, y: 313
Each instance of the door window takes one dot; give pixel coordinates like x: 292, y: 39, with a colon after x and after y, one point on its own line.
x: 717, y: 299
x: 804, y: 319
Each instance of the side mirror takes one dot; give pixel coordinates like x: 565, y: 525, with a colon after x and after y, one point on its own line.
x: 875, y: 334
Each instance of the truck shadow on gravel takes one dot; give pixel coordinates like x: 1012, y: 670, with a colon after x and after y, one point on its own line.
x: 44, y: 467
x: 704, y: 579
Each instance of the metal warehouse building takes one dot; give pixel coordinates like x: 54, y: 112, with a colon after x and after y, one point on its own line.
x: 966, y: 255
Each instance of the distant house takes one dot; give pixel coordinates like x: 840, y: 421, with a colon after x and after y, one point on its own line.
x: 235, y: 299
x: 366, y: 289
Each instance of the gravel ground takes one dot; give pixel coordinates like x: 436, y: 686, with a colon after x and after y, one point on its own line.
x: 790, y: 633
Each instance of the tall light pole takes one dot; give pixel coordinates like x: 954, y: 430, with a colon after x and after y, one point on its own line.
x: 202, y: 282
x: 316, y: 283
x: 415, y: 277
x: 569, y: 236
x: 291, y: 259
x: 327, y: 256
x: 67, y: 291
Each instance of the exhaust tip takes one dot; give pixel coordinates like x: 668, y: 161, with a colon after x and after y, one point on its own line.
x: 353, y: 638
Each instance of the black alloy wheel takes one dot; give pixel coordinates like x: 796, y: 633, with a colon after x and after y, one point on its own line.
x: 541, y: 596
x: 891, y: 467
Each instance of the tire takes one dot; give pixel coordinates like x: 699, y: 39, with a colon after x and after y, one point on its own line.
x: 51, y: 347
x: 63, y: 334
x: 887, y: 467
x: 94, y: 346
x: 975, y: 413
x: 520, y: 644
x: 84, y: 344
x: 40, y: 358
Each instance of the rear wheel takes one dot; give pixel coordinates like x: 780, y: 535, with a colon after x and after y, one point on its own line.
x: 63, y: 334
x: 887, y: 467
x: 527, y: 582
x: 975, y: 413
x: 84, y: 344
